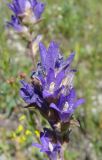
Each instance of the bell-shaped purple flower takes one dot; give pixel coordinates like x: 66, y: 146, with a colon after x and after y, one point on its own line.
x: 54, y: 86
x: 66, y: 105
x: 20, y: 7
x: 57, y: 71
x: 16, y: 25
x: 25, y: 12
x: 48, y: 146
x: 27, y: 9
x: 51, y: 57
x: 29, y: 94
x: 38, y: 9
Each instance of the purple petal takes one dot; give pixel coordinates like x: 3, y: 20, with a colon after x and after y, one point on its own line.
x: 43, y: 149
x: 33, y: 3
x: 15, y: 24
x: 42, y: 81
x: 24, y: 96
x: 11, y: 6
x: 33, y: 99
x: 37, y: 145
x: 46, y: 94
x: 71, y: 97
x: 61, y: 101
x: 28, y: 87
x: 38, y: 10
x: 59, y: 78
x: 52, y: 105
x: 50, y: 76
x: 43, y: 53
x: 18, y: 6
x: 70, y: 59
x: 79, y: 102
x: 22, y: 4
x: 51, y: 56
x: 43, y: 140
x: 26, y: 92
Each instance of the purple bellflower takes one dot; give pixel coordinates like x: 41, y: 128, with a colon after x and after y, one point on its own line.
x: 53, y: 86
x: 29, y: 94
x: 58, y: 73
x: 48, y: 145
x: 66, y: 105
x: 25, y: 12
x: 23, y: 8
x: 19, y: 7
x: 15, y: 24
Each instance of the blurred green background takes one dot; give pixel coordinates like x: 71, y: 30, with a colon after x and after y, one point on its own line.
x: 77, y: 26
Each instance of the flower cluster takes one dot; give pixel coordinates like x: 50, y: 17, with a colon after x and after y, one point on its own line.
x: 51, y: 91
x: 25, y: 12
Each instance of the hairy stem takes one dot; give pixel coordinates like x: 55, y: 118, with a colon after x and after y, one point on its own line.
x: 61, y: 154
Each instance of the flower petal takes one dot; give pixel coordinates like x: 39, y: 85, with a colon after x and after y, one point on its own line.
x: 43, y: 53
x: 37, y: 145
x: 79, y: 102
x: 38, y: 10
x: 59, y: 78
x: 51, y: 56
x: 52, y: 105
x: 50, y: 76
